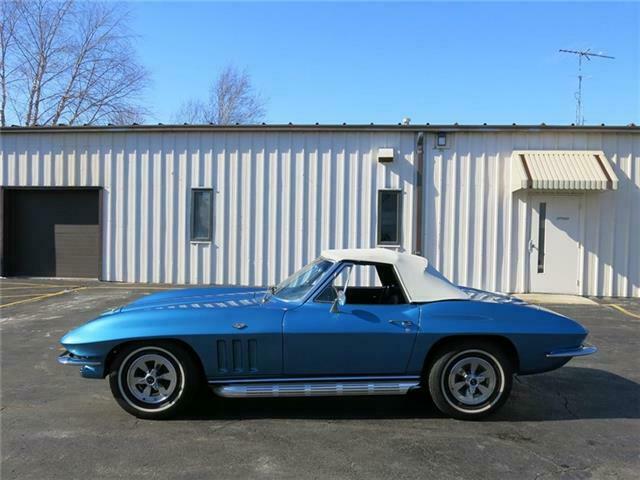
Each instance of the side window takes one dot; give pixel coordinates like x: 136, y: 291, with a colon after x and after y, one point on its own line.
x: 389, y: 217
x: 344, y: 277
x: 340, y: 281
x: 364, y: 275
x: 201, y: 214
x: 365, y: 284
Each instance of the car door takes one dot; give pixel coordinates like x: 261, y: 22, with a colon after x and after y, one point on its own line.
x: 358, y: 339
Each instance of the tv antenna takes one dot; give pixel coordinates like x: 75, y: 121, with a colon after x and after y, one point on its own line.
x: 582, y: 54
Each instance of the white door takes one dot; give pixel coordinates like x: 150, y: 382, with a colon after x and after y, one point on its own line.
x: 553, y: 247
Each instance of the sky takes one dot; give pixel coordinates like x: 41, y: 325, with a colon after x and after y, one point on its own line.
x: 379, y: 62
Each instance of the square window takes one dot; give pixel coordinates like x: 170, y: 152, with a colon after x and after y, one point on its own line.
x: 389, y: 217
x: 201, y: 214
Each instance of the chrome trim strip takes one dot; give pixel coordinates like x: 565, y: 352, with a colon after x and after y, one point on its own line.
x: 67, y: 358
x: 315, y: 379
x: 573, y: 352
x: 319, y: 389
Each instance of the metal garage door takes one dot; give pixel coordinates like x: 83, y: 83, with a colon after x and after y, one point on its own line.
x: 52, y: 232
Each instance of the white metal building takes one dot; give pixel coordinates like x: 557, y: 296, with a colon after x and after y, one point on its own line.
x: 503, y: 208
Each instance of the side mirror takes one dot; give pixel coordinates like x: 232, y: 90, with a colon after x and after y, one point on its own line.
x: 341, y: 299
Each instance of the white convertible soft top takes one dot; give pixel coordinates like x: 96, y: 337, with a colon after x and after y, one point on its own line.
x: 421, y: 282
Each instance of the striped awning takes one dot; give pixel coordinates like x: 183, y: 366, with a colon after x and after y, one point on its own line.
x: 561, y: 170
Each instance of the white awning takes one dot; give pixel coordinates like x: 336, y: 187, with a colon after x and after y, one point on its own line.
x: 561, y: 170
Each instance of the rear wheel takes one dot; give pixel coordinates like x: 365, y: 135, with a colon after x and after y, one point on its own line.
x: 470, y: 379
x: 154, y: 381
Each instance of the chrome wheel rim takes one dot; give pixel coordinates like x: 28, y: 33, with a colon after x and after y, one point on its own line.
x: 151, y: 378
x: 472, y: 381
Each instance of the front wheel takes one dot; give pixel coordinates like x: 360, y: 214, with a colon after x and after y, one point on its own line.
x: 470, y: 379
x: 153, y: 381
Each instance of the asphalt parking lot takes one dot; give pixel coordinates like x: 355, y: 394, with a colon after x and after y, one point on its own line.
x: 582, y: 421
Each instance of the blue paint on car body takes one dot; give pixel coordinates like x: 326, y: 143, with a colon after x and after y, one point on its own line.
x: 300, y: 338
x: 317, y: 334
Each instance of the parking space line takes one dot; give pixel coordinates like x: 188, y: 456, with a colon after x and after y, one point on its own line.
x: 624, y: 310
x: 2, y: 295
x: 42, y: 297
x: 36, y: 286
x: 29, y: 284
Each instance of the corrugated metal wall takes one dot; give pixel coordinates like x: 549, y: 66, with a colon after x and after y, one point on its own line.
x: 282, y: 197
x: 477, y: 230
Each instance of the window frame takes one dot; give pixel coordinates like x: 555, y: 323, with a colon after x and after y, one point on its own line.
x: 398, y: 240
x: 329, y: 281
x: 194, y: 192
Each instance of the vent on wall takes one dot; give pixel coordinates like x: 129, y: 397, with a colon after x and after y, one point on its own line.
x: 385, y: 155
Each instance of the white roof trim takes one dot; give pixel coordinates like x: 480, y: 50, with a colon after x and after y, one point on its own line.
x: 561, y: 170
x: 421, y: 282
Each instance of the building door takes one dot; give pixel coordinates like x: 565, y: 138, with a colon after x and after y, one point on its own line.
x: 52, y: 232
x: 554, y: 243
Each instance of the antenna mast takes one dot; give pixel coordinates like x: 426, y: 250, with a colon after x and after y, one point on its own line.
x: 582, y: 54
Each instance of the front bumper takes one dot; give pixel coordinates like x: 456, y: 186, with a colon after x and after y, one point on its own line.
x: 90, y: 367
x: 581, y: 351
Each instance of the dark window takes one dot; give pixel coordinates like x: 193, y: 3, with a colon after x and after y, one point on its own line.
x: 389, y: 214
x: 201, y: 213
x: 542, y: 217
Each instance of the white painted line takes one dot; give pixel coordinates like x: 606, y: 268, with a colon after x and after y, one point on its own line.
x: 557, y: 299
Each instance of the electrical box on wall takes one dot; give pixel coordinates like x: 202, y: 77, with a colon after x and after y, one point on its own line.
x: 385, y: 155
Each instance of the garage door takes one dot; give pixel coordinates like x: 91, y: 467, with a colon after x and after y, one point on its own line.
x: 52, y: 233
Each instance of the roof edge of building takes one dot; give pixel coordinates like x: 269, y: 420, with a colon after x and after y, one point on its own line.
x: 317, y: 128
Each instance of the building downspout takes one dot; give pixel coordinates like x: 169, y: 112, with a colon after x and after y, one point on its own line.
x: 417, y: 249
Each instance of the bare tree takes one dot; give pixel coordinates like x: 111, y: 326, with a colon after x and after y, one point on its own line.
x: 8, y: 20
x: 232, y: 99
x: 191, y: 111
x: 68, y: 62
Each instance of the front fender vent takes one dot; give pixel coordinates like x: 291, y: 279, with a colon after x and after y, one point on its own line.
x: 237, y: 356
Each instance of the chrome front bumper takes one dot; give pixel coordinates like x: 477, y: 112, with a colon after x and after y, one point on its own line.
x: 68, y: 358
x: 573, y: 352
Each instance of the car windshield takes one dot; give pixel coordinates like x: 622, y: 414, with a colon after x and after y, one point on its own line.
x: 300, y: 283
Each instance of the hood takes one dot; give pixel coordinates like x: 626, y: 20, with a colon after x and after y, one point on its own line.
x: 167, y: 314
x: 491, y: 297
x: 212, y: 297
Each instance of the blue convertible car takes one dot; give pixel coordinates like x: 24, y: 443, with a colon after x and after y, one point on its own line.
x: 353, y: 322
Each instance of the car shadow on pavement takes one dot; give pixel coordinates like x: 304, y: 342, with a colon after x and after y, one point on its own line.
x: 567, y: 394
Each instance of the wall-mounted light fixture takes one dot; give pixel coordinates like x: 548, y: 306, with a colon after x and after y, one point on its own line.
x: 441, y: 140
x: 385, y: 154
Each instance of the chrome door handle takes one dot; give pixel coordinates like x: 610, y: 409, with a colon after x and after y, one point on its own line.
x: 404, y: 323
x: 239, y: 325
